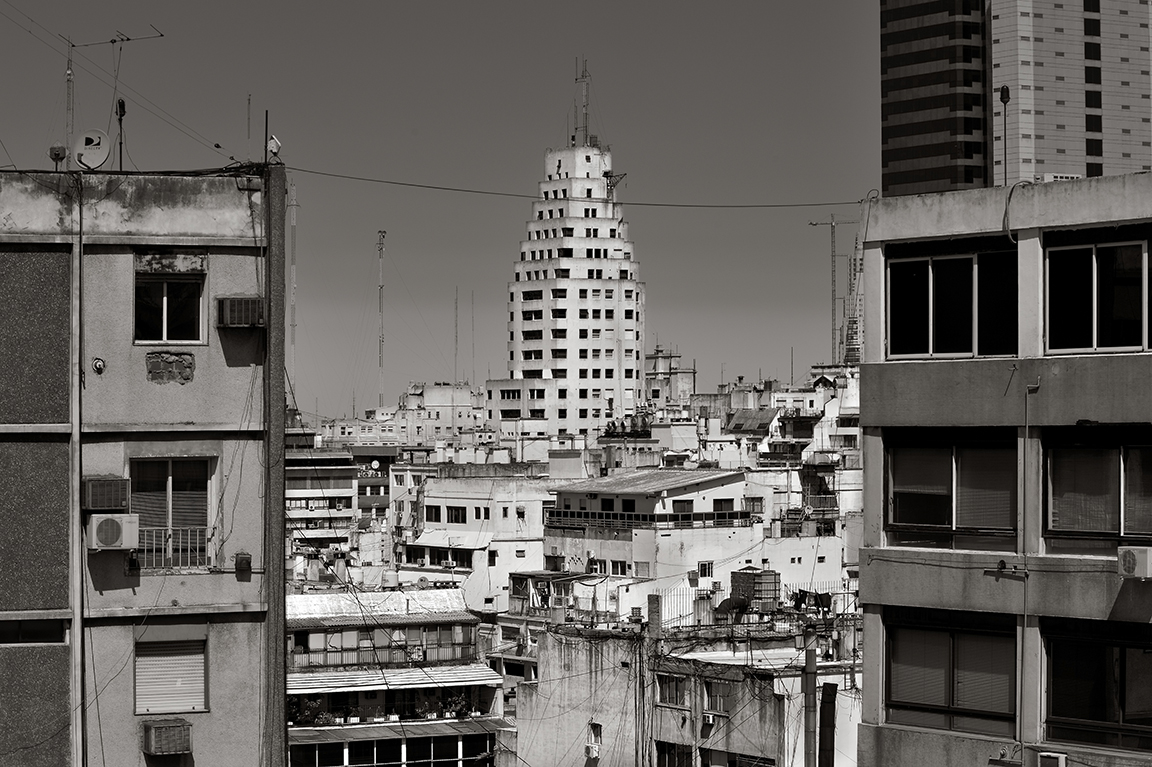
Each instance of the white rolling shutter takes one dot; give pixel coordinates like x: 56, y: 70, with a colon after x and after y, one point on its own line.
x: 170, y: 677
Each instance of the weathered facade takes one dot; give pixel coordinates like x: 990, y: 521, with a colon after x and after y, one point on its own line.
x: 141, y: 569
x: 1005, y: 474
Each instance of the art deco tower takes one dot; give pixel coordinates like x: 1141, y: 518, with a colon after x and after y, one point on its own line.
x: 575, y: 305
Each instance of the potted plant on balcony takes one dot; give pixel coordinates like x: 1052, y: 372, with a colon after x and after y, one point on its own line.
x: 458, y: 705
x: 354, y: 715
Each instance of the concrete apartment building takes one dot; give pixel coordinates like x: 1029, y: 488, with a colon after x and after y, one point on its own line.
x: 141, y: 436
x: 575, y: 305
x: 1078, y: 80
x: 1005, y: 409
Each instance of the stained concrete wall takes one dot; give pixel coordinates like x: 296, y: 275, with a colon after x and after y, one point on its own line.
x: 34, y: 704
x: 34, y: 480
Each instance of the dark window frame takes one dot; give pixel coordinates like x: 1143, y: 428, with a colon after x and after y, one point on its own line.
x: 1062, y: 321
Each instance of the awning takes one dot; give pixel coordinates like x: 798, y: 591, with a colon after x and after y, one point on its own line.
x: 303, y: 683
x: 451, y: 539
x: 409, y: 728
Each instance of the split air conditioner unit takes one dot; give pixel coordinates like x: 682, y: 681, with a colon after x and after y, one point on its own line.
x: 173, y: 736
x: 111, y: 532
x: 240, y: 312
x: 105, y: 494
x: 1051, y: 759
x: 591, y: 750
x: 709, y: 719
x: 1134, y: 561
x: 450, y: 563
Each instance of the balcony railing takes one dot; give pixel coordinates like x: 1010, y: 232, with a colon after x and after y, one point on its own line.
x: 173, y: 547
x: 376, y: 656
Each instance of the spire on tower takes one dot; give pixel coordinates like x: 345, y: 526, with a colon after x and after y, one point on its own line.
x: 581, y: 138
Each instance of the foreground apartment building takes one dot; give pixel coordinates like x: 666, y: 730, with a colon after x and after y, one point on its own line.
x: 141, y: 442
x: 1008, y: 481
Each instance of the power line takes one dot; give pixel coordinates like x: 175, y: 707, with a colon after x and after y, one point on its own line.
x: 493, y: 193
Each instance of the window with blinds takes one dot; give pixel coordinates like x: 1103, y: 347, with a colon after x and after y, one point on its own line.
x: 952, y: 678
x: 1099, y: 494
x: 171, y: 677
x: 961, y: 497
x: 171, y: 498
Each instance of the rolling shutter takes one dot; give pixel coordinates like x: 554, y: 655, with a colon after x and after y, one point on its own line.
x: 170, y: 677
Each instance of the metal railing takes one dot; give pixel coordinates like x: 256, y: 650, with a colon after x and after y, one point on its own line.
x: 173, y: 547
x: 378, y: 656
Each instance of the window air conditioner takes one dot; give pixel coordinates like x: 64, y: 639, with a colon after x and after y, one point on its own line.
x: 423, y: 562
x: 450, y: 563
x: 591, y: 750
x: 106, y: 494
x: 108, y: 532
x: 1051, y: 759
x: 709, y: 719
x: 1134, y: 561
x: 240, y: 312
x: 172, y: 736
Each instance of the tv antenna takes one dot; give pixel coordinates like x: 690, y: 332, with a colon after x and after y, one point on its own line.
x: 120, y: 38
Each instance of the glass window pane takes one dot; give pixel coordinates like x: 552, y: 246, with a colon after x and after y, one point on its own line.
x: 1138, y: 490
x: 1070, y: 299
x: 951, y: 305
x: 1083, y: 681
x: 330, y: 754
x: 149, y: 310
x: 921, y: 486
x: 361, y: 752
x: 985, y: 673
x: 1138, y: 686
x: 1119, y: 295
x: 1085, y: 489
x: 986, y: 488
x: 302, y: 755
x: 908, y: 307
x: 996, y: 301
x: 918, y: 666
x: 184, y: 311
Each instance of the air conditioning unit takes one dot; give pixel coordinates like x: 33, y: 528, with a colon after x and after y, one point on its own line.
x: 591, y: 750
x: 105, y: 494
x: 107, y: 532
x: 240, y: 312
x: 171, y: 736
x: 416, y: 654
x: 450, y: 563
x: 423, y: 562
x: 1134, y: 561
x: 709, y: 719
x: 1051, y: 759
x: 565, y: 567
x: 559, y: 601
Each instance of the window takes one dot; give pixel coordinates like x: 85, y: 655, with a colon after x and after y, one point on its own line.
x: 1097, y: 493
x: 1091, y: 27
x: 170, y: 677
x: 492, y: 558
x: 533, y: 295
x: 722, y: 504
x: 953, y: 496
x: 683, y: 506
x: 1094, y: 147
x: 1091, y: 51
x: 1096, y: 297
x: 933, y: 302
x: 1092, y: 100
x: 1099, y: 677
x: 1092, y: 75
x: 951, y: 670
x: 171, y: 499
x: 598, y: 566
x: 671, y: 689
x: 1093, y: 123
x: 457, y: 515
x: 561, y: 394
x: 168, y: 309
x: 619, y: 567
x: 704, y: 569
x: 717, y: 696
x: 431, y: 513
x: 673, y: 755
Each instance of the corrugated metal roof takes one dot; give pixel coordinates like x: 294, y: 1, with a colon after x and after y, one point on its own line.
x: 748, y: 419
x: 368, y: 619
x: 303, y: 683
x: 649, y: 481
x: 409, y: 728
x: 383, y: 607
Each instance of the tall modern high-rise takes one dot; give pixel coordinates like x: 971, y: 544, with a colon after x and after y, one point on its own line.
x: 1077, y: 75
x: 575, y: 305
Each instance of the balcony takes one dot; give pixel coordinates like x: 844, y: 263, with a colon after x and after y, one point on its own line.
x: 300, y: 659
x: 162, y: 547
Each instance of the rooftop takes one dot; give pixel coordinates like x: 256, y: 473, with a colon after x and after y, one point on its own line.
x: 650, y: 481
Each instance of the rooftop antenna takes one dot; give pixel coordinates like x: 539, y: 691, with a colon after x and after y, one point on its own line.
x: 582, y: 122
x: 119, y: 39
x: 380, y: 235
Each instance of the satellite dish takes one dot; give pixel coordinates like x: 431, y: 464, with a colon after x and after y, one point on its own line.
x: 422, y: 582
x: 91, y: 149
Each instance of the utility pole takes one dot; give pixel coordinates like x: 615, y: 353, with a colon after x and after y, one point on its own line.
x: 809, y: 688
x: 835, y: 331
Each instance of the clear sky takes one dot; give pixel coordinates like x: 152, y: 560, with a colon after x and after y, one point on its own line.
x: 703, y: 103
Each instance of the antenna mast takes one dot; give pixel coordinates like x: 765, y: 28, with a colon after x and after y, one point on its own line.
x: 380, y: 235
x: 582, y: 125
x: 292, y: 206
x: 70, y: 77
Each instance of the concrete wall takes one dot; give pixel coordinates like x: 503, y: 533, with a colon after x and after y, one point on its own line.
x: 34, y: 699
